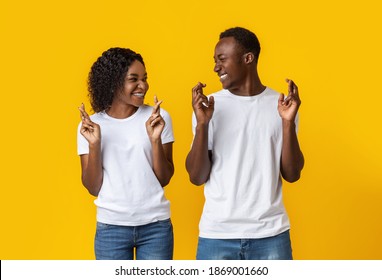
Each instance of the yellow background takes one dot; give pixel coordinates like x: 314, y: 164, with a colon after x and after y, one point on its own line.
x: 332, y: 49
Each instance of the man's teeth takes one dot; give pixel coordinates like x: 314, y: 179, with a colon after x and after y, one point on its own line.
x: 222, y: 77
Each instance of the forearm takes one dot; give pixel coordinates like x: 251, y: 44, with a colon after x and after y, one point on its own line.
x: 92, y: 172
x: 163, y: 168
x: 198, y: 162
x: 292, y: 159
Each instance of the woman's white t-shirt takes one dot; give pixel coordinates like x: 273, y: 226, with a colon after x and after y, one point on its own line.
x: 130, y: 195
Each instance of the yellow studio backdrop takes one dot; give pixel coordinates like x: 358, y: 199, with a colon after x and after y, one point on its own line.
x: 332, y: 49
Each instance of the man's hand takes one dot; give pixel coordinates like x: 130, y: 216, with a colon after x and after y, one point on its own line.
x: 203, y: 107
x: 288, y: 106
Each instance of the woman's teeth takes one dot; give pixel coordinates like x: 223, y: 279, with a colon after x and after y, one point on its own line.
x: 139, y: 94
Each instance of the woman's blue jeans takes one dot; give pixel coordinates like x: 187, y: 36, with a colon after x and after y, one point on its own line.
x: 271, y: 248
x: 153, y: 241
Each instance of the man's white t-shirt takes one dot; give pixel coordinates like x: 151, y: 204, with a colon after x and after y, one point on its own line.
x: 243, y: 196
x: 130, y: 195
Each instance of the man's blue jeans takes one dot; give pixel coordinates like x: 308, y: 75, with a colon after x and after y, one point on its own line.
x: 271, y: 248
x: 153, y: 241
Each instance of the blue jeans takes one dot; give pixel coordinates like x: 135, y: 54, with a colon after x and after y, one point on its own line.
x: 153, y: 241
x: 271, y: 248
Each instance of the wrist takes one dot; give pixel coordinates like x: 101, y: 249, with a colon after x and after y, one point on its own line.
x: 202, y: 125
x: 288, y: 123
x: 95, y: 145
x: 155, y: 141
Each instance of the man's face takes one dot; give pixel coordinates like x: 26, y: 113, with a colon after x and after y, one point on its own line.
x: 229, y: 63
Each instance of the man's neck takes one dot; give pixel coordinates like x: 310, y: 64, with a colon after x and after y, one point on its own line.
x: 251, y: 87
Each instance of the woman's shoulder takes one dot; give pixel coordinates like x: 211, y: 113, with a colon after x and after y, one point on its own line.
x: 98, y: 116
x: 147, y: 109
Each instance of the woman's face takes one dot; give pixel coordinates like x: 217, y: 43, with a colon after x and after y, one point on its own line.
x: 135, y: 86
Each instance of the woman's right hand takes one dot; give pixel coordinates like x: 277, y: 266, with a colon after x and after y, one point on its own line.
x: 90, y: 130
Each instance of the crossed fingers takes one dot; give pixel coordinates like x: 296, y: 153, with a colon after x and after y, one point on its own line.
x: 292, y: 92
x: 197, y: 95
x: 86, y: 122
x: 155, y: 115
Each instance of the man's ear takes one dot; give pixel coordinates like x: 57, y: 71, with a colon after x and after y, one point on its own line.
x: 249, y: 58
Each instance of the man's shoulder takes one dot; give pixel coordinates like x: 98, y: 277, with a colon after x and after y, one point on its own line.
x: 222, y: 92
x: 271, y: 92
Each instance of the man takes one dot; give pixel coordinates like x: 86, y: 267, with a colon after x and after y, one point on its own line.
x: 244, y: 141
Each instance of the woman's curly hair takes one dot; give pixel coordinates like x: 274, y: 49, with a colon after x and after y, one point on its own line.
x: 107, y: 76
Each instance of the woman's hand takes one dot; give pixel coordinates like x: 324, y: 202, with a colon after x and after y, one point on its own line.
x: 155, y: 124
x: 90, y: 130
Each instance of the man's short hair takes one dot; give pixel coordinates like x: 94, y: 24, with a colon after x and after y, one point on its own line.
x: 245, y: 38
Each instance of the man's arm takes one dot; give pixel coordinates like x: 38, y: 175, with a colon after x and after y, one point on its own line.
x: 198, y: 162
x: 292, y: 159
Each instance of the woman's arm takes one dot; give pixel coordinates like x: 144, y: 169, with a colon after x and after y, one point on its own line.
x: 92, y: 174
x: 163, y: 165
x: 91, y: 164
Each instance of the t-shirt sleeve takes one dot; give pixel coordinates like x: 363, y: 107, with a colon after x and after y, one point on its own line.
x: 167, y: 133
x: 82, y: 143
x: 296, y: 121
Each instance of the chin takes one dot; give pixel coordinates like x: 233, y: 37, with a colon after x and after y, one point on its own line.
x: 139, y: 103
x: 136, y: 105
x: 226, y: 85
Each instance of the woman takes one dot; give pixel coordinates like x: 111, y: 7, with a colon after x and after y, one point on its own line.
x: 126, y: 160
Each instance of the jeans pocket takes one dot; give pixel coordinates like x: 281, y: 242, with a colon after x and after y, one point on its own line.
x: 164, y: 223
x: 101, y: 226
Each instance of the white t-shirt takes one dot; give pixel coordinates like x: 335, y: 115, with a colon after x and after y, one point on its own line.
x: 243, y: 194
x: 130, y: 195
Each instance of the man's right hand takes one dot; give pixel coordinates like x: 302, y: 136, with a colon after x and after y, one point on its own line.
x: 203, y: 106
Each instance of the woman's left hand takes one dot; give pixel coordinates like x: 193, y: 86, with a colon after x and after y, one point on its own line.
x: 155, y: 124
